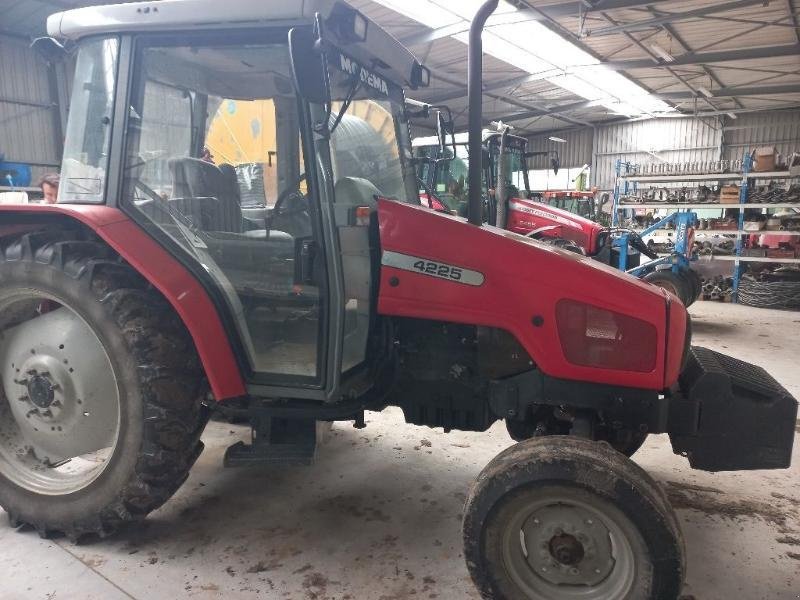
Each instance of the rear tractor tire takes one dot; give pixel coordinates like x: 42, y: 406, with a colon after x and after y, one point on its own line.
x: 101, y: 403
x: 563, y: 518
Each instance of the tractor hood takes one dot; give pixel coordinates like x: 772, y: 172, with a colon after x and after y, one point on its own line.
x: 578, y: 319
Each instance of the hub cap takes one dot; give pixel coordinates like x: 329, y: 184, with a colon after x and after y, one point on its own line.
x: 562, y: 547
x: 59, y: 402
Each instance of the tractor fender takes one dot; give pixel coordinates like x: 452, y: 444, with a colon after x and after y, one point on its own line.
x: 153, y: 262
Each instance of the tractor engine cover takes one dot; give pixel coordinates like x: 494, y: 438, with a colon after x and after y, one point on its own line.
x: 731, y: 415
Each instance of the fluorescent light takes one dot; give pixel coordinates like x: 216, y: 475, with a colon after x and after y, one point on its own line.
x: 731, y: 115
x: 553, y: 138
x: 508, y: 37
x: 705, y: 92
x: 663, y: 54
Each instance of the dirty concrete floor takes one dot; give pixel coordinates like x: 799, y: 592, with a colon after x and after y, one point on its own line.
x: 378, y: 517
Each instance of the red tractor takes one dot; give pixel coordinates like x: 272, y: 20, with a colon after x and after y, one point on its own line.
x: 148, y: 297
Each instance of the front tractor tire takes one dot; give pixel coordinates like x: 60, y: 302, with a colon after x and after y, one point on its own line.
x: 564, y: 518
x: 101, y: 403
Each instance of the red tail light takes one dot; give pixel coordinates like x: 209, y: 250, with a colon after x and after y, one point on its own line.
x: 596, y: 337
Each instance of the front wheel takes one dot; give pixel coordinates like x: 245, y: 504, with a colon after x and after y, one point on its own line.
x: 101, y: 398
x: 562, y: 518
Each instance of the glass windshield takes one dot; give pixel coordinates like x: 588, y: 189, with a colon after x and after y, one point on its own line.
x: 85, y: 160
x: 371, y: 140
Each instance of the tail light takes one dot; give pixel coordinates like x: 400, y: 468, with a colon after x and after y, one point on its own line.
x: 595, y: 337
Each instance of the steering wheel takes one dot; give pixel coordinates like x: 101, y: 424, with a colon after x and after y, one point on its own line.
x: 289, y: 192
x: 293, y: 218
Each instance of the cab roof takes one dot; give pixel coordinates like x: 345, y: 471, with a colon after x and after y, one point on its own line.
x: 192, y: 15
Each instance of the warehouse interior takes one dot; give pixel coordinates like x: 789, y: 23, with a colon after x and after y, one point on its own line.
x: 671, y: 127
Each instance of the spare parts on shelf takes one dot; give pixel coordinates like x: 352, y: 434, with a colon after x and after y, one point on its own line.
x: 686, y: 168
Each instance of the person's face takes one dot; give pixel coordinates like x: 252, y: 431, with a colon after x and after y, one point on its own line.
x: 50, y: 193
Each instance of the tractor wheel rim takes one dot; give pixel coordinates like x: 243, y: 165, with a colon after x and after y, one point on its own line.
x: 59, y: 399
x: 563, y: 547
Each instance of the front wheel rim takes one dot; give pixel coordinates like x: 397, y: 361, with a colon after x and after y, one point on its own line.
x: 60, y: 406
x: 560, y: 546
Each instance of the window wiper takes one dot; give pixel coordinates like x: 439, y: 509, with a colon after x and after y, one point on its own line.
x: 346, y: 104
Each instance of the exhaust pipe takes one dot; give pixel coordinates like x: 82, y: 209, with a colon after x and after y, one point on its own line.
x: 475, y: 98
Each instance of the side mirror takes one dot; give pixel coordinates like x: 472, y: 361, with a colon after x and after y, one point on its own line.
x: 309, y: 71
x: 420, y: 76
x: 50, y: 49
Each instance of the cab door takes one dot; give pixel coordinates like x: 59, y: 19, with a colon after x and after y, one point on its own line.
x: 215, y: 171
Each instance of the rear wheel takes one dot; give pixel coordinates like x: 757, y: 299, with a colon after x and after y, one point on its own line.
x: 101, y: 399
x: 673, y: 283
x: 562, y: 518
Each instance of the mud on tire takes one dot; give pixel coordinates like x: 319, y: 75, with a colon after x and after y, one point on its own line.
x: 159, y: 379
x: 555, y: 472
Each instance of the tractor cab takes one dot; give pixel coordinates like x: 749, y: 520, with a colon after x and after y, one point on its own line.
x: 227, y: 145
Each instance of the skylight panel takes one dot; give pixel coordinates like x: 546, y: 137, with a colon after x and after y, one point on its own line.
x: 513, y: 37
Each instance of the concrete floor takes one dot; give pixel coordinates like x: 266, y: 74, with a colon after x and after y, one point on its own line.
x: 378, y: 517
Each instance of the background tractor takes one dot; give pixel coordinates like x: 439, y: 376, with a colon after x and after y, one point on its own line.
x: 442, y: 162
x: 148, y: 297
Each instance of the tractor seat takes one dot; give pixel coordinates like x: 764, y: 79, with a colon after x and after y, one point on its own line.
x: 204, y: 194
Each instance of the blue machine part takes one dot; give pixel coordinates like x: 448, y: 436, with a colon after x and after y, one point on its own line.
x: 679, y: 259
x: 15, y: 174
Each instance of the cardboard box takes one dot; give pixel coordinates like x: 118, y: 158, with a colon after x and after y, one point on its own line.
x: 754, y: 225
x: 780, y: 252
x: 729, y: 194
x: 765, y: 158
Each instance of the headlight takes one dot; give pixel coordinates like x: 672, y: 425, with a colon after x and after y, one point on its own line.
x: 596, y: 337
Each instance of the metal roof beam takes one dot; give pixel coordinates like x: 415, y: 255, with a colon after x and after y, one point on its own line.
x: 555, y: 111
x: 672, y: 17
x: 701, y: 58
x: 730, y: 92
x: 488, y: 87
x: 559, y: 10
x: 509, y: 99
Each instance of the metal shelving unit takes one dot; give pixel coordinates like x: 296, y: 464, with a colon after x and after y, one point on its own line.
x: 761, y: 259
x: 707, y: 177
x: 745, y: 179
x: 710, y: 205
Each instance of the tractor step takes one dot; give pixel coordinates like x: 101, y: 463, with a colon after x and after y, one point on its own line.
x: 731, y: 415
x: 277, y: 441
